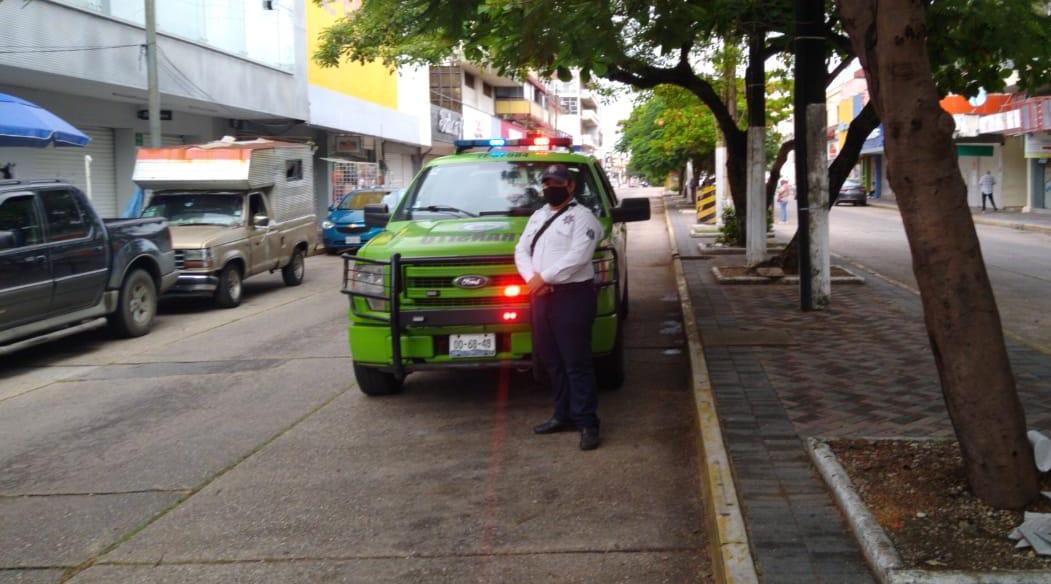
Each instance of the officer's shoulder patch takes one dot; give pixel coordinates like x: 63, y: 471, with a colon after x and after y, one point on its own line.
x: 591, y: 234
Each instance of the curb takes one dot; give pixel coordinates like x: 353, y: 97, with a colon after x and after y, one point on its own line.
x: 728, y: 536
x: 980, y: 220
x: 877, y: 547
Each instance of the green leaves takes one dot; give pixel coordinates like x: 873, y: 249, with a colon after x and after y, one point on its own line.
x: 668, y: 127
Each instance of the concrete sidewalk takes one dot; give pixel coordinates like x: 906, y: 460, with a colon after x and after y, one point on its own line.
x: 1038, y: 222
x: 863, y: 368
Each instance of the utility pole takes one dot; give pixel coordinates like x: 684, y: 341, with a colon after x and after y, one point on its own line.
x: 152, y: 85
x: 755, y: 94
x: 815, y: 285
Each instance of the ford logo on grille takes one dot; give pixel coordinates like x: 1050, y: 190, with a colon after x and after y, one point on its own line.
x: 471, y: 282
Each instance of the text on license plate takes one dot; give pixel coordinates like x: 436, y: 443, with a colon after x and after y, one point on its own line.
x: 482, y: 345
x: 353, y: 239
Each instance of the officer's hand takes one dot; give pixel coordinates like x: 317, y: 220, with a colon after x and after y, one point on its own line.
x: 535, y: 283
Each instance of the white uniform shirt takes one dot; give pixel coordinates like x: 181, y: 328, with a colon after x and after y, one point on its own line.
x: 564, y: 252
x: 987, y: 181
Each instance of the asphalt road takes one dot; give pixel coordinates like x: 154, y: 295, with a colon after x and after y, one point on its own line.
x: 233, y: 445
x: 1019, y: 264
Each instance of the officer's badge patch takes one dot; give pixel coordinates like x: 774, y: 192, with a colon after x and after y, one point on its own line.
x: 568, y: 219
x: 591, y: 234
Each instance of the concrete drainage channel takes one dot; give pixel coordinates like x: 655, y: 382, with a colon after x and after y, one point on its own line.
x: 876, y: 545
x: 731, y: 555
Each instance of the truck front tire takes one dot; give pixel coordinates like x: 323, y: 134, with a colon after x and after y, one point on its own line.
x: 373, y: 382
x: 231, y: 284
x: 136, y: 305
x: 293, y: 273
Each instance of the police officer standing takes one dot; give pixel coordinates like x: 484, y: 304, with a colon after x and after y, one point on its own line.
x: 554, y: 258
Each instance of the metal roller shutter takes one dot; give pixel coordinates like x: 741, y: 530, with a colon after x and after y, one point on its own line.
x: 68, y: 164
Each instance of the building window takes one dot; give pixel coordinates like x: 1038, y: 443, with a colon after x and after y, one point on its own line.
x: 447, y: 87
x: 569, y: 105
x: 293, y: 170
x: 468, y: 79
x: 510, y: 93
x: 487, y: 90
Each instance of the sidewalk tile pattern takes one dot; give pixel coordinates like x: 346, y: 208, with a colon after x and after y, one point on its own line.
x: 863, y: 368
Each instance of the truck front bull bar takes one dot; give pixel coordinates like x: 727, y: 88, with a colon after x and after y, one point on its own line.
x: 396, y: 266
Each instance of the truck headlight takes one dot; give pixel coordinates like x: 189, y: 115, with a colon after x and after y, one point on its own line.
x: 368, y: 279
x: 197, y: 258
x: 327, y: 224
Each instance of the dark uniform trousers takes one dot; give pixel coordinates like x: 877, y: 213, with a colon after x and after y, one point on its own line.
x: 562, y: 322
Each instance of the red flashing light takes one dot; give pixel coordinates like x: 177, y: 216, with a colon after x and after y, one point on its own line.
x: 542, y: 141
x: 512, y: 291
x: 509, y: 316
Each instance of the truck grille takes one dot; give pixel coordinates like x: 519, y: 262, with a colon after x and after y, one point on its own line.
x: 476, y: 301
x: 447, y: 281
x: 180, y: 259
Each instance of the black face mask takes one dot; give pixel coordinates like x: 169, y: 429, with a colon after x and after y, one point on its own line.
x: 555, y: 196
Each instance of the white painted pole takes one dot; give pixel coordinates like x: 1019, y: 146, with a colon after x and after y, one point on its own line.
x: 755, y: 240
x: 817, y: 176
x: 721, y: 186
x: 87, y: 175
x: 152, y: 84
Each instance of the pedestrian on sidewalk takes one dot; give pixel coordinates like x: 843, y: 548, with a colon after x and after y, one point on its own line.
x: 986, y: 183
x: 784, y: 193
x: 554, y: 257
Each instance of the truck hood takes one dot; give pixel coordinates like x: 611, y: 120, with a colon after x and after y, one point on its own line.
x: 474, y: 236
x: 201, y: 236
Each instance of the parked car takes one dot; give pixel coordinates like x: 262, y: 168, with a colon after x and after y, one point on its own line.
x: 63, y: 269
x: 344, y: 229
x: 237, y: 209
x: 853, y: 192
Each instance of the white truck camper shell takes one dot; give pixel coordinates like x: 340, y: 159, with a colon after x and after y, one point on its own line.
x: 281, y: 170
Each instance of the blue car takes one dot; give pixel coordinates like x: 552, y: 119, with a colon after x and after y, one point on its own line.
x: 344, y: 229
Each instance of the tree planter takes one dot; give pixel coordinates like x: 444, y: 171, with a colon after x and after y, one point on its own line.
x: 890, y: 566
x: 738, y: 275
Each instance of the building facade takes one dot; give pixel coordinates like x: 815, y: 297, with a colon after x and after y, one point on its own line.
x: 579, y: 114
x: 223, y: 66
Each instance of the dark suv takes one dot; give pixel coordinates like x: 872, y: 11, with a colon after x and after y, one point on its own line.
x: 63, y: 269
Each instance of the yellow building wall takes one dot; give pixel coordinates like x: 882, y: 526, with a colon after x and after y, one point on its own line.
x: 371, y: 82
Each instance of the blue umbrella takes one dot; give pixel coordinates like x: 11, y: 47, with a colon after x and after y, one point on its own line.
x: 26, y: 124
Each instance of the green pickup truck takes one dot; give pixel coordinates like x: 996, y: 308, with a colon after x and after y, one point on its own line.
x: 438, y: 288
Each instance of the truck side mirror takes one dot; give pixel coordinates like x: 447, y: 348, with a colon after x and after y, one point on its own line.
x: 7, y: 239
x: 260, y: 221
x: 634, y: 209
x: 377, y: 215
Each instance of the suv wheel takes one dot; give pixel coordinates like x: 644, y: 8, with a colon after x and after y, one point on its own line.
x: 293, y: 273
x: 136, y: 305
x: 609, y: 369
x: 228, y: 295
x: 373, y: 382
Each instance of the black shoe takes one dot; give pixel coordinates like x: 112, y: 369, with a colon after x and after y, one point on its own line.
x: 553, y: 425
x: 589, y: 439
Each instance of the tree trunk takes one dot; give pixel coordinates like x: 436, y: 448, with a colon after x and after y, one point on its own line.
x: 962, y: 319
x: 775, y: 170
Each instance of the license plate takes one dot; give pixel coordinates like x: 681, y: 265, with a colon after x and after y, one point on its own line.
x: 353, y: 239
x: 483, y: 345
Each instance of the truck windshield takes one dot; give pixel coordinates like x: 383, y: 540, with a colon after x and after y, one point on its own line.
x: 488, y: 188
x: 198, y: 208
x: 356, y: 201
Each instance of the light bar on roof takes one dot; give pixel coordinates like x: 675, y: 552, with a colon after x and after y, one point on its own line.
x: 536, y: 142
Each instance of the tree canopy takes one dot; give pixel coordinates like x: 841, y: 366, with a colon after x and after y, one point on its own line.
x: 667, y: 128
